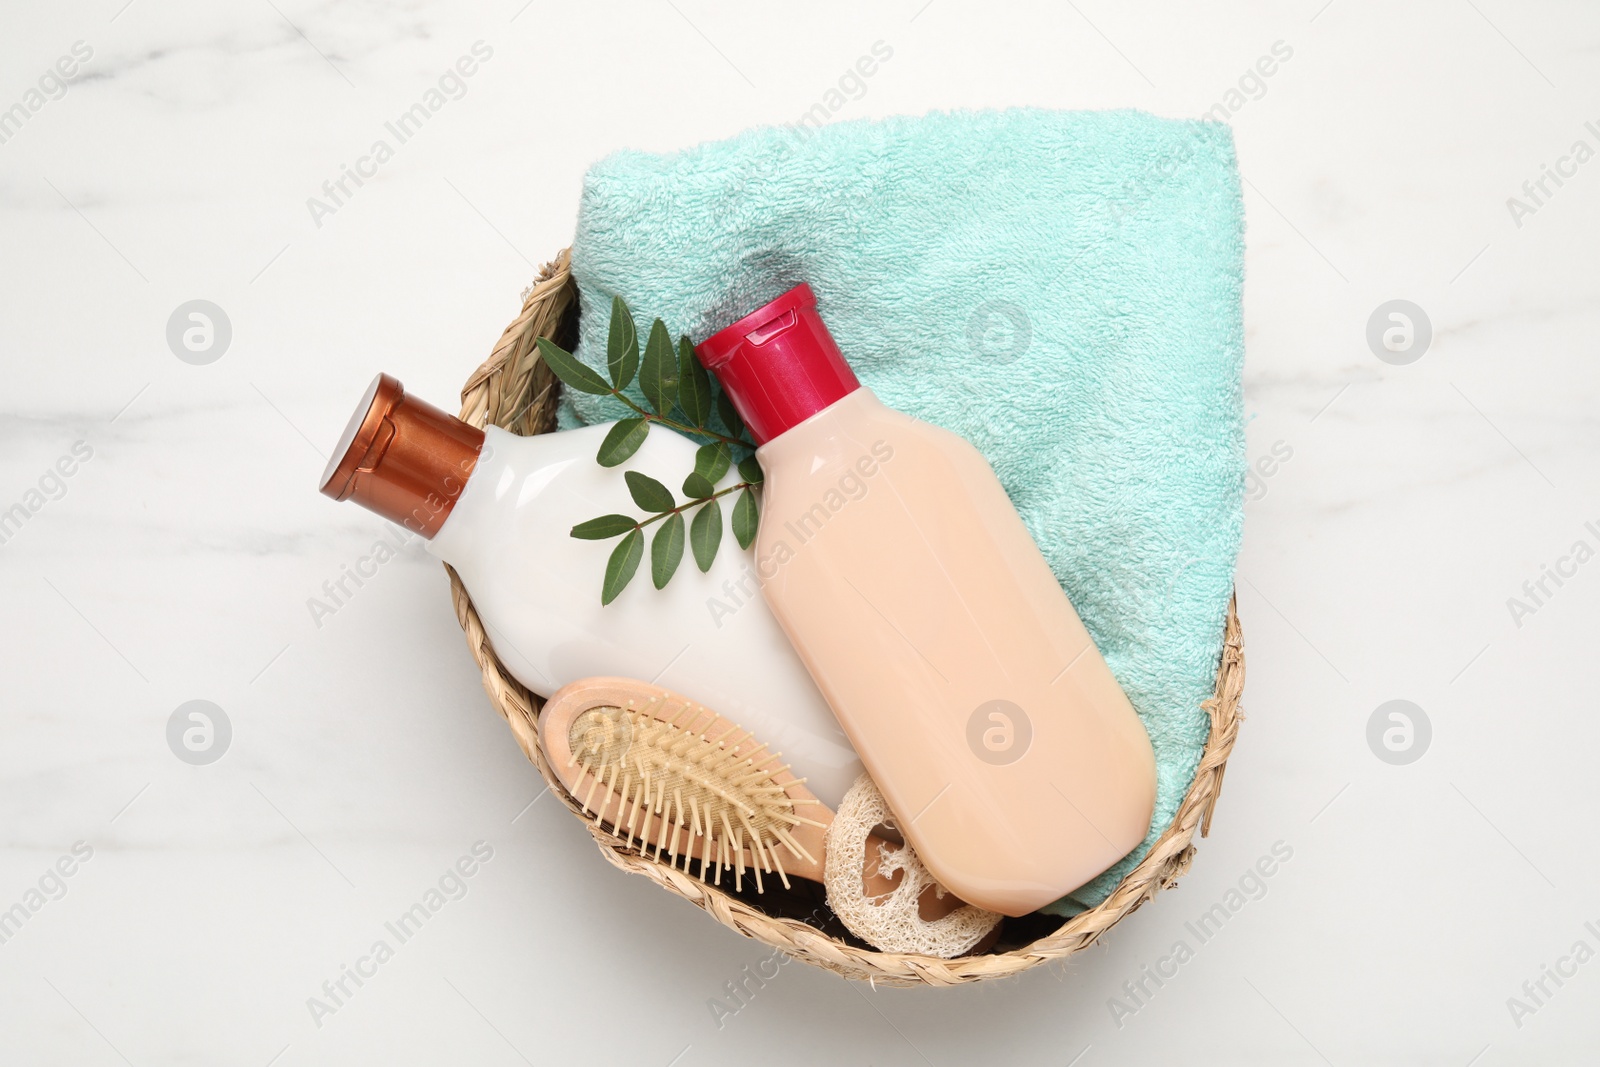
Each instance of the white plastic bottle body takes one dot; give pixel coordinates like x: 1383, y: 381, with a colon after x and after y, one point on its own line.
x: 709, y: 636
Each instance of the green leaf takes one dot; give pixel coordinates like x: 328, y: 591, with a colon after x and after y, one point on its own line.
x: 572, y: 372
x: 705, y: 534
x: 658, y: 374
x: 620, y: 567
x: 622, y: 344
x: 711, y: 461
x: 648, y: 493
x: 694, y: 385
x: 750, y: 470
x: 696, y: 487
x: 622, y: 441
x: 666, y: 551
x: 730, y: 418
x: 745, y: 519
x: 604, y: 527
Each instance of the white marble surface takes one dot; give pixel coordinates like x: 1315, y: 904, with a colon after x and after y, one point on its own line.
x: 177, y: 563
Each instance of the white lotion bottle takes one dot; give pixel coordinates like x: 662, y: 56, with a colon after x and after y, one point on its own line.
x: 499, y: 508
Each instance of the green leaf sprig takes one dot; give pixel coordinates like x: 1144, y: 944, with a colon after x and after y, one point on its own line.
x: 681, y: 397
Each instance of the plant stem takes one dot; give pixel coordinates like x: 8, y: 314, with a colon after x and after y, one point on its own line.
x: 686, y: 505
x: 676, y: 425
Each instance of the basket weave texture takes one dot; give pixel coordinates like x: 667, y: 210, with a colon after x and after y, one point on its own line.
x: 514, y: 390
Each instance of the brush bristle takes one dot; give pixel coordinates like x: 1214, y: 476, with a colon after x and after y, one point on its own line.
x: 665, y: 785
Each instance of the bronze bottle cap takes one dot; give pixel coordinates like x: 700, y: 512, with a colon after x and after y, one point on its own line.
x: 402, y: 458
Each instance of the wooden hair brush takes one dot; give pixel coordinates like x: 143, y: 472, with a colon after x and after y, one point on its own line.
x: 676, y: 780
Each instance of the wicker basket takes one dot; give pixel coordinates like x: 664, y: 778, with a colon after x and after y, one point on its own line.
x: 513, y: 389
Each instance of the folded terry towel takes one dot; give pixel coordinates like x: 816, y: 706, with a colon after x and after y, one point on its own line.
x: 1062, y: 289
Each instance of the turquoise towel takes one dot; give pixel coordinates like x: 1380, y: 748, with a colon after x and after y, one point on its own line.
x: 1062, y: 289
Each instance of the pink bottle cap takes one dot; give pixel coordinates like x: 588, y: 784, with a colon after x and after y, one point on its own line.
x: 778, y: 364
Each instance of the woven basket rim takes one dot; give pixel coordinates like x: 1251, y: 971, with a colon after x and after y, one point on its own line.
x: 514, y: 390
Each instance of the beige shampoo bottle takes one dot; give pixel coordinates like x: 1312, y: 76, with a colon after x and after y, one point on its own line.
x: 901, y: 572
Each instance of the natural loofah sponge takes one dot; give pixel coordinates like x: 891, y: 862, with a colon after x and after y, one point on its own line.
x: 890, y: 922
